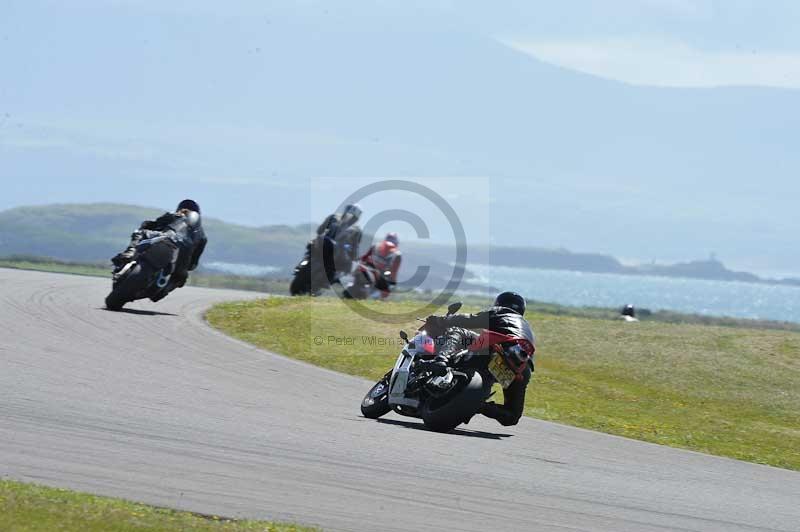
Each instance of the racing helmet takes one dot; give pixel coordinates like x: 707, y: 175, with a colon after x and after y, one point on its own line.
x: 190, y: 205
x: 352, y: 210
x: 511, y: 300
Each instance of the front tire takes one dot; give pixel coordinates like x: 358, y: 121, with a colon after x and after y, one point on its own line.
x: 301, y: 283
x: 125, y: 290
x: 376, y: 403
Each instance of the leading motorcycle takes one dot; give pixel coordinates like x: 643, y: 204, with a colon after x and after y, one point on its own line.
x: 147, y: 274
x: 443, y: 402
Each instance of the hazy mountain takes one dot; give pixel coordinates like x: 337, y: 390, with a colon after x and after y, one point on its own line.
x: 94, y: 232
x: 239, y: 109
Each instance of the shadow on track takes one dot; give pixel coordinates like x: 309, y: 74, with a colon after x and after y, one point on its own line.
x: 138, y: 312
x: 456, y: 432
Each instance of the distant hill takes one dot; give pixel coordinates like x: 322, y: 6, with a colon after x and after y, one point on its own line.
x: 95, y: 232
x: 243, y: 106
x: 548, y: 259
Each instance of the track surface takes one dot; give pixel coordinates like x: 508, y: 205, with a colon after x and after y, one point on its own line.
x: 161, y: 409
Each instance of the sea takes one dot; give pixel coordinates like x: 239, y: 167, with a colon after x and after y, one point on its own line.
x: 246, y: 270
x: 695, y: 296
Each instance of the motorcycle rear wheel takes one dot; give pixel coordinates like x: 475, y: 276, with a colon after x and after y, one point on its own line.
x: 445, y: 414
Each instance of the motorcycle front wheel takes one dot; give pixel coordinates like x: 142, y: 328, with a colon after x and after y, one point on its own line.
x: 301, y: 283
x: 125, y: 290
x: 376, y: 403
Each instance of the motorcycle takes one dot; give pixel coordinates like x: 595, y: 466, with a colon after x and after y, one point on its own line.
x: 368, y: 282
x: 146, y: 275
x: 310, y: 274
x: 442, y: 401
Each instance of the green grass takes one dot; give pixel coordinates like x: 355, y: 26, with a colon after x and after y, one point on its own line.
x: 32, y: 508
x: 729, y: 391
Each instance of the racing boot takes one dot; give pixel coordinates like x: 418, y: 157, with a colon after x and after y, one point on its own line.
x: 437, y: 366
x: 121, y: 259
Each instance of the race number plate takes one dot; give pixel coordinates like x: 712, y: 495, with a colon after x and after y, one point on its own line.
x: 500, y: 371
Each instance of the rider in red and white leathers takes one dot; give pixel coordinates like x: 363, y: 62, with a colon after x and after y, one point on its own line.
x: 385, y: 257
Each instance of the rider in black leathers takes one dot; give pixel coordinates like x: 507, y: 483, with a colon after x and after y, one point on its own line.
x: 187, y: 230
x: 339, y: 236
x: 506, y: 317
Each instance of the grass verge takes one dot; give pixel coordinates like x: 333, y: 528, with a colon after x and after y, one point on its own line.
x: 720, y: 390
x: 270, y: 285
x: 33, y: 508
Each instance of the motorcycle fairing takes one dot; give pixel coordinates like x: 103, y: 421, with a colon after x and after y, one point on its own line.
x: 491, y: 340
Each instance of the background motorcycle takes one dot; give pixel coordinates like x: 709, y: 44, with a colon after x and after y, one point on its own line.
x: 310, y: 275
x: 368, y: 281
x: 146, y: 275
x: 442, y: 402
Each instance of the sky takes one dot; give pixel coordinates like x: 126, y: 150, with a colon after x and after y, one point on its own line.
x: 673, y: 43
x: 651, y: 129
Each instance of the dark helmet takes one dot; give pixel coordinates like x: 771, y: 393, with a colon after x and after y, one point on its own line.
x: 353, y: 210
x: 392, y: 237
x: 511, y: 300
x: 189, y: 204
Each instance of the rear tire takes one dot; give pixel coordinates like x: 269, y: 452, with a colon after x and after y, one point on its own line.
x: 443, y: 415
x: 301, y: 283
x: 125, y: 290
x: 376, y: 403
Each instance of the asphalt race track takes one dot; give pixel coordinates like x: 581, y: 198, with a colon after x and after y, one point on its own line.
x: 154, y: 406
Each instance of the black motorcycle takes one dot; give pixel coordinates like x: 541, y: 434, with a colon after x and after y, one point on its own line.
x: 320, y: 267
x: 442, y: 401
x: 147, y: 274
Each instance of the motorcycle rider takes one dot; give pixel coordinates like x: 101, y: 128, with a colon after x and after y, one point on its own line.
x: 504, y: 317
x: 185, y: 227
x: 629, y: 313
x: 385, y: 257
x: 340, y: 236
